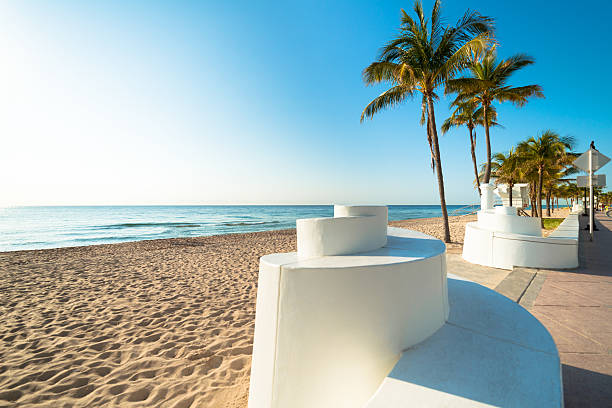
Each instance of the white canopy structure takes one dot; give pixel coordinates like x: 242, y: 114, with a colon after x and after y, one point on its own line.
x: 520, y: 195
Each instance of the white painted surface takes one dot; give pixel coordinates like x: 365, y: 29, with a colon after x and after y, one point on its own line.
x: 499, y: 220
x: 492, y: 352
x: 341, y: 322
x: 577, y: 208
x: 505, y: 210
x: 486, y: 196
x: 520, y: 194
x: 499, y: 245
x: 329, y: 330
x: 353, y: 229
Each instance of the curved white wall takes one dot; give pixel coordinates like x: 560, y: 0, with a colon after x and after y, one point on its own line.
x: 353, y: 229
x: 499, y: 220
x: 507, y: 210
x: 499, y: 249
x: 328, y: 329
x: 486, y: 196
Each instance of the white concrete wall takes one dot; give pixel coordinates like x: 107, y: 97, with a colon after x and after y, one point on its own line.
x: 341, y: 330
x: 499, y: 249
x: 353, y: 229
x: 478, y: 245
x: 510, y: 250
x: 506, y: 210
x: 490, y: 353
x: 486, y: 196
x: 495, y: 221
x: 328, y: 329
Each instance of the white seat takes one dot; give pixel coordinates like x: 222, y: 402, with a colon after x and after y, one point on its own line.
x: 491, y: 352
x: 506, y: 249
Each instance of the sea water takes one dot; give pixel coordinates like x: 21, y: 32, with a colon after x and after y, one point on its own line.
x: 53, y: 227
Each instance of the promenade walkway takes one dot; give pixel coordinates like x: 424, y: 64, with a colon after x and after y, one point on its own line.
x: 576, y: 308
x: 574, y: 305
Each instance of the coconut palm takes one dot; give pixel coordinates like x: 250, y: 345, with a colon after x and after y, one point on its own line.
x: 556, y: 174
x: 544, y: 153
x: 506, y: 169
x: 423, y: 56
x: 468, y: 114
x: 488, y: 84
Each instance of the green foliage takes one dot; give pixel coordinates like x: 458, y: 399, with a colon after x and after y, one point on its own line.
x: 489, y: 79
x: 507, y: 168
x: 488, y: 83
x: 425, y: 55
x: 551, y: 223
x: 547, y: 149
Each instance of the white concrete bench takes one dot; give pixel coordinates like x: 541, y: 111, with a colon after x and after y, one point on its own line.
x: 381, y: 327
x: 329, y: 328
x: 568, y: 229
x: 491, y: 352
x: 485, y: 244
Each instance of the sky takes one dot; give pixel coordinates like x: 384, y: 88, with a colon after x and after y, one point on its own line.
x: 243, y: 102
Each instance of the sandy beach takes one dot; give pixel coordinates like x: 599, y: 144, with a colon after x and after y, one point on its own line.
x: 162, y: 323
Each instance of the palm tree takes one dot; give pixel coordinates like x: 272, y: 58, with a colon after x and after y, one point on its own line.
x: 543, y: 153
x: 468, y: 114
x: 488, y: 84
x: 556, y: 173
x: 506, y: 169
x: 423, y: 56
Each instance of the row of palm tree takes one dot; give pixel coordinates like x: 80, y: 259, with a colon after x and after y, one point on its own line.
x: 426, y: 56
x: 545, y: 162
x: 605, y: 198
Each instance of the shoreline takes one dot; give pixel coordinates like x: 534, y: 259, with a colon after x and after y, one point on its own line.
x: 412, y: 223
x: 391, y: 223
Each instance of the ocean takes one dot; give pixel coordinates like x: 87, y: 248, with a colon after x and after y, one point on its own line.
x: 24, y: 228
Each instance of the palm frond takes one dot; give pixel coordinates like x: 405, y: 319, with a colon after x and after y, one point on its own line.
x: 387, y: 99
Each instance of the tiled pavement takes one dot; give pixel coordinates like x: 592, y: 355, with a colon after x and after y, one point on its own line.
x: 576, y: 308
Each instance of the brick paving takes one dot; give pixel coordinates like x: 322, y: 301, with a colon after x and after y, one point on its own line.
x: 576, y: 308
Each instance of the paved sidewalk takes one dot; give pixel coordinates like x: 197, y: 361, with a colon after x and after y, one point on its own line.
x: 576, y: 308
x: 484, y: 275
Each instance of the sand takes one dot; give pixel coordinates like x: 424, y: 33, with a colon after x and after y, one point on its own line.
x: 434, y: 227
x: 163, y: 323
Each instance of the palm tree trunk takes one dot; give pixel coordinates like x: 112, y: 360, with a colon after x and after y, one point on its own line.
x: 487, y: 174
x: 510, y: 185
x: 532, y: 193
x: 438, y: 164
x: 539, y: 195
x: 473, y: 148
x: 548, y: 203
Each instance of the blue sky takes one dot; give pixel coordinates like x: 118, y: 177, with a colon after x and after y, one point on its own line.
x: 180, y: 102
